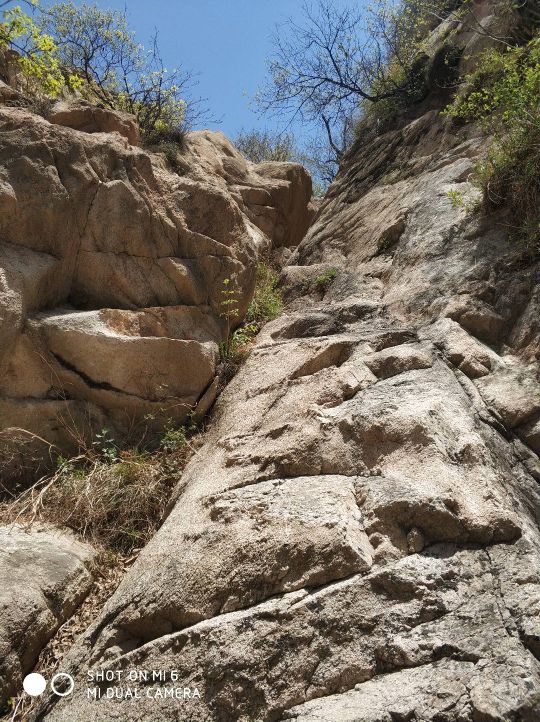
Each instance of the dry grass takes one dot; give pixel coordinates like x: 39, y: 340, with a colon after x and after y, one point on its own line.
x: 115, y: 499
x: 23, y: 457
x: 115, y: 502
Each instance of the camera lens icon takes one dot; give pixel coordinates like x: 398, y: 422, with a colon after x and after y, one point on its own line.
x: 62, y: 684
x: 34, y: 684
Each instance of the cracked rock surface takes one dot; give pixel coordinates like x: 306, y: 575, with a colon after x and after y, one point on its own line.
x: 44, y: 576
x: 112, y: 267
x: 358, y: 539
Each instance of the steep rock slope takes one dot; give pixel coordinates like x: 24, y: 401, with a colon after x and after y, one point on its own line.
x: 358, y: 540
x: 112, y: 268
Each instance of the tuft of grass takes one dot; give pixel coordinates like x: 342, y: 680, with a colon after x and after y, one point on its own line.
x: 170, y: 142
x: 267, y: 302
x: 456, y: 198
x: 115, y: 506
x: 166, y: 135
x: 113, y: 498
x: 323, y: 282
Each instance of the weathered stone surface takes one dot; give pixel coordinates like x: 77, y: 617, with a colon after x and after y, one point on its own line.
x: 513, y: 391
x: 284, y: 212
x: 398, y: 359
x: 112, y: 267
x: 358, y: 537
x: 465, y: 351
x: 530, y: 433
x: 435, y: 569
x: 44, y: 576
x: 81, y: 115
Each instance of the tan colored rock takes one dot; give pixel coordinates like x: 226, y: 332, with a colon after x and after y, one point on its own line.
x: 397, y: 360
x: 7, y: 93
x: 84, y: 116
x: 289, y: 194
x: 112, y: 267
x: 132, y: 361
x: 471, y: 356
x: 514, y: 393
x: 357, y: 539
x: 275, y: 196
x: 44, y: 575
x: 268, y: 498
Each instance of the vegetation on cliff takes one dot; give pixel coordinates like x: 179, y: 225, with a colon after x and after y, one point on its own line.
x: 67, y: 46
x: 372, y: 68
x: 502, y: 94
x: 341, y: 58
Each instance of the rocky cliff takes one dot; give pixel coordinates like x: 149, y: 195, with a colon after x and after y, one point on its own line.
x: 112, y: 270
x: 358, y: 538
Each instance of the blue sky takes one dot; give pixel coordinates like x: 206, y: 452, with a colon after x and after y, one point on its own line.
x: 225, y: 41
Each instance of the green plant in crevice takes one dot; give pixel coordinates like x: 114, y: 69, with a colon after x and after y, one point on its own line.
x: 229, y: 311
x: 174, y: 439
x: 106, y: 446
x: 266, y: 303
x: 324, y: 280
x: 456, y: 198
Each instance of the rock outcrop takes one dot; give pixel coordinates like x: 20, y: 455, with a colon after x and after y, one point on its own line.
x: 44, y: 576
x: 89, y: 118
x: 112, y: 268
x: 358, y: 540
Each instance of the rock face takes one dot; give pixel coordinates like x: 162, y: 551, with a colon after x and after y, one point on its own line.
x: 112, y: 267
x: 89, y: 118
x: 44, y: 576
x: 358, y: 540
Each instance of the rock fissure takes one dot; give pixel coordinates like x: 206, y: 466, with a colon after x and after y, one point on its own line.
x: 87, y: 379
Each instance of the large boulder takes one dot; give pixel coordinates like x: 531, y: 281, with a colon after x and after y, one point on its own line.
x: 112, y: 269
x: 281, y: 207
x: 44, y: 576
x: 276, y: 196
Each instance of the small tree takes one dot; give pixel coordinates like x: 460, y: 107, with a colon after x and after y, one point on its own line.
x: 99, y: 46
x: 324, y: 151
x: 36, y: 53
x: 263, y: 145
x: 323, y: 67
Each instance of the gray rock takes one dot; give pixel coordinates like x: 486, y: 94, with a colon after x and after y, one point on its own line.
x: 357, y: 540
x: 44, y: 576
